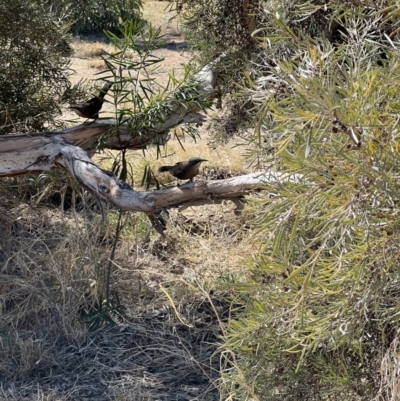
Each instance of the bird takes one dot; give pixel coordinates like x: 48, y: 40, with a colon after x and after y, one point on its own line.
x: 91, y: 108
x: 184, y: 170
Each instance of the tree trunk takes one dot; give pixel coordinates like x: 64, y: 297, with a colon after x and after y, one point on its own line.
x: 248, y: 14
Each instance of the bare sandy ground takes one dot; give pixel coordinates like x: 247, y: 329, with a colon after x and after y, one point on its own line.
x: 87, y: 64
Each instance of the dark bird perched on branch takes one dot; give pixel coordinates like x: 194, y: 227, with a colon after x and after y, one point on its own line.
x: 91, y: 108
x: 184, y: 170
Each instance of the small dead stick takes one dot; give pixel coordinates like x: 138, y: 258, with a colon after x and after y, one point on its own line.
x: 110, y: 261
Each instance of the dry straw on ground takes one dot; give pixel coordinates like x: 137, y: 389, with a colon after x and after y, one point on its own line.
x: 54, y: 253
x: 53, y: 263
x: 160, y: 14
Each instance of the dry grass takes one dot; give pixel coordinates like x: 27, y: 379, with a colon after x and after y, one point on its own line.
x: 89, y: 48
x: 53, y: 265
x: 97, y: 65
x: 53, y: 261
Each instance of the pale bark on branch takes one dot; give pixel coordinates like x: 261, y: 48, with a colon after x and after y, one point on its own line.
x: 25, y: 153
x: 109, y: 188
x: 22, y: 154
x: 121, y: 136
x: 105, y: 186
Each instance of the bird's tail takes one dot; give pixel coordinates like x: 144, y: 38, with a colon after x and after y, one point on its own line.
x: 164, y: 168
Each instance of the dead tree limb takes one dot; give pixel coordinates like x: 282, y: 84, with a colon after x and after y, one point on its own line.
x: 105, y: 186
x: 22, y: 154
x: 126, y: 135
x: 86, y: 135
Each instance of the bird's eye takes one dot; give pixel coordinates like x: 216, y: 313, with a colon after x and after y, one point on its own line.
x: 103, y: 188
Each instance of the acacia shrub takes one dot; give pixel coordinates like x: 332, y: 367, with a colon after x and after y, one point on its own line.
x: 95, y: 17
x: 322, y: 311
x: 33, y: 67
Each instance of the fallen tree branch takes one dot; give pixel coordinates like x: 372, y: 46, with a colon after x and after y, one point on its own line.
x: 23, y: 154
x: 105, y: 186
x: 109, y: 188
x: 115, y: 135
x: 86, y: 135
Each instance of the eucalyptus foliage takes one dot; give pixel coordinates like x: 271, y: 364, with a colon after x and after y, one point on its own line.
x: 218, y: 26
x: 93, y: 17
x: 33, y: 66
x: 322, y: 305
x: 213, y: 27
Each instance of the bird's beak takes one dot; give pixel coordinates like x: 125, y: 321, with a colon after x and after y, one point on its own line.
x: 204, y: 160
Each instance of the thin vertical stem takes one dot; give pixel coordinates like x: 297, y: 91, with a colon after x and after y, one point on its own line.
x: 117, y: 232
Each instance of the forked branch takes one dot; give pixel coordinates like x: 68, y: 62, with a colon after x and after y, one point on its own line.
x: 22, y: 154
x: 107, y: 187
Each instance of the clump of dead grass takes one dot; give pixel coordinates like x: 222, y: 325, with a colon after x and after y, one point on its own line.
x: 97, y: 65
x: 89, y: 48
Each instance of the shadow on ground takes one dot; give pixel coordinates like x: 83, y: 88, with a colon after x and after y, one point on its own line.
x: 149, y: 358
x: 47, y: 277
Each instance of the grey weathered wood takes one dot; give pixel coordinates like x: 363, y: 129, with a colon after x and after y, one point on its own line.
x: 18, y: 152
x: 27, y: 153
